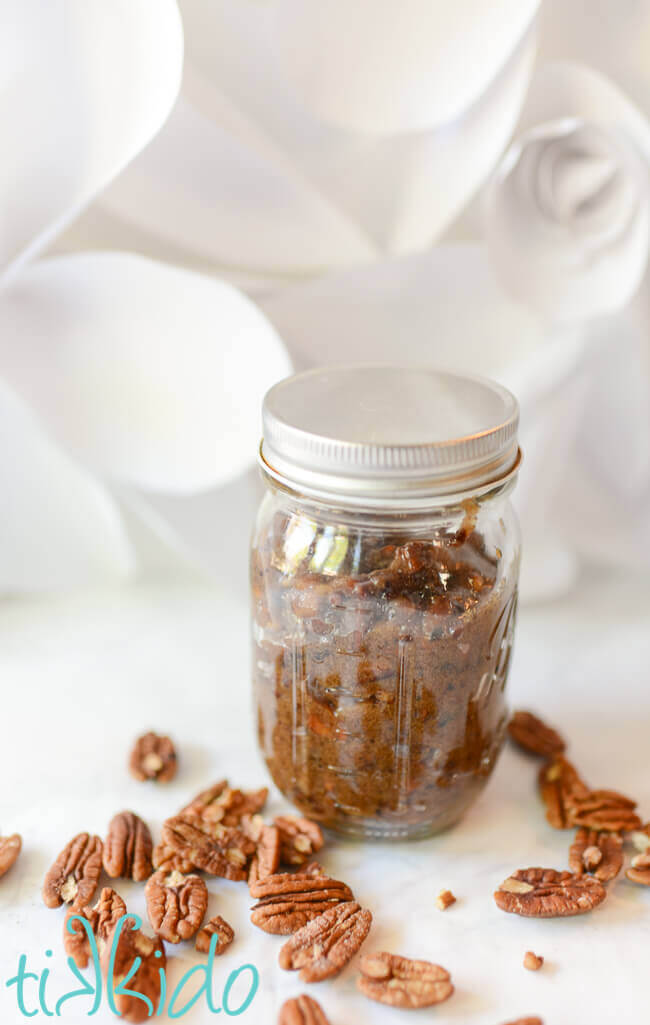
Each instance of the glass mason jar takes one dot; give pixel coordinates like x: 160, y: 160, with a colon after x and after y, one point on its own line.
x: 384, y: 590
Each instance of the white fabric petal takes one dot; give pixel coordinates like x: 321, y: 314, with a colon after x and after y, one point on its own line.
x: 60, y: 529
x: 243, y: 176
x: 91, y: 82
x: 394, y: 65
x: 567, y: 216
x: 148, y: 373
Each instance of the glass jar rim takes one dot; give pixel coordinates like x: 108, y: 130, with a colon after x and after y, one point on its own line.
x: 393, y: 437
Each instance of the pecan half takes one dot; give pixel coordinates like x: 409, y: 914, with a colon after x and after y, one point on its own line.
x: 134, y: 944
x: 128, y: 847
x: 560, y: 786
x: 323, y: 947
x: 218, y: 850
x: 604, y: 810
x: 299, y: 838
x: 596, y: 852
x: 74, y: 875
x: 103, y: 918
x: 153, y: 757
x: 640, y: 869
x: 288, y: 902
x: 302, y: 1010
x: 401, y: 982
x: 267, y: 840
x: 176, y: 904
x: 546, y: 893
x: 534, y: 736
x: 10, y: 847
x: 221, y: 804
x: 220, y: 927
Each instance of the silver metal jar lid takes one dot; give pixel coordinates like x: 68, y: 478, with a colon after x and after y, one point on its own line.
x: 381, y: 435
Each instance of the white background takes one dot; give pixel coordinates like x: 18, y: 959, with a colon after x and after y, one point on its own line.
x: 82, y: 676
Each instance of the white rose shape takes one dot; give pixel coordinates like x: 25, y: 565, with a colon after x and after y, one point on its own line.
x: 567, y: 218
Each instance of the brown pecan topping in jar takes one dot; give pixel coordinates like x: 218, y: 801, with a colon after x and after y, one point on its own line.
x: 604, y: 810
x: 103, y: 918
x: 533, y: 962
x: 323, y: 947
x: 128, y: 847
x: 288, y: 902
x: 546, y: 893
x: 74, y: 875
x: 135, y: 1006
x: 534, y: 736
x: 10, y: 847
x: 560, y: 786
x: 302, y: 1010
x: 176, y: 904
x: 401, y: 982
x: 445, y: 899
x: 218, y: 850
x: 596, y: 852
x: 221, y: 804
x: 217, y: 926
x: 299, y: 838
x: 153, y: 757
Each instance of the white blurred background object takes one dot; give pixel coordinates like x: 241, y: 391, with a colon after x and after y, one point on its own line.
x: 467, y: 186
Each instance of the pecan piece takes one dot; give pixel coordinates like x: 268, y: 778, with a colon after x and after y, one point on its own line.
x: 533, y: 962
x: 220, y: 927
x: 323, y: 947
x: 546, y: 893
x: 302, y: 1010
x: 445, y: 899
x: 288, y: 902
x: 401, y: 982
x: 596, y: 852
x: 267, y: 839
x: 526, y: 1021
x: 218, y: 850
x: 603, y: 810
x: 134, y: 944
x: 640, y: 869
x: 103, y: 918
x: 74, y: 875
x: 169, y: 859
x: 534, y: 736
x: 153, y: 757
x: 10, y: 847
x: 299, y: 838
x: 176, y: 904
x: 560, y: 785
x: 128, y: 847
x: 221, y: 804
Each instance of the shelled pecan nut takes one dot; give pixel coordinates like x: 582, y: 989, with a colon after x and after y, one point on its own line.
x: 302, y: 1010
x: 221, y: 804
x: 299, y: 838
x: 323, y: 947
x: 267, y: 846
x: 547, y: 893
x: 10, y: 847
x: 218, y: 850
x: 639, y: 872
x: 132, y: 944
x: 560, y: 786
x: 153, y: 757
x: 604, y: 810
x: 74, y: 875
x: 288, y: 902
x: 103, y: 918
x: 402, y: 982
x: 535, y: 736
x: 176, y: 904
x: 128, y: 848
x: 219, y: 927
x: 596, y: 852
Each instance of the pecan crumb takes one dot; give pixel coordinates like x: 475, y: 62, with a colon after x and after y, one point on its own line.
x: 445, y: 899
x: 153, y: 757
x: 532, y: 961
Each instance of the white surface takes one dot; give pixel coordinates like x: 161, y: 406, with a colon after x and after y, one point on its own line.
x: 82, y: 676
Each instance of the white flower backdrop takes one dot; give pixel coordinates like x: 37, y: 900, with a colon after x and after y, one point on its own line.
x: 463, y: 185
